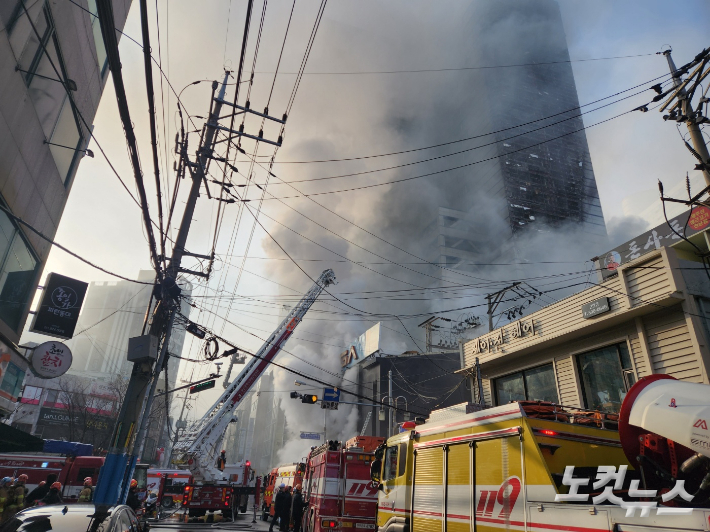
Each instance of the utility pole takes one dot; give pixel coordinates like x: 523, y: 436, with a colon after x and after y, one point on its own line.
x: 389, y: 428
x: 129, y: 436
x: 494, y: 300
x: 692, y: 118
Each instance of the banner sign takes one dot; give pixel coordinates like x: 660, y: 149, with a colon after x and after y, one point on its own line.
x: 59, y: 309
x: 688, y: 223
x: 364, y: 346
x: 50, y: 360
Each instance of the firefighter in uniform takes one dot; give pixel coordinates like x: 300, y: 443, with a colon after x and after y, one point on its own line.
x: 297, y: 509
x: 132, y: 499
x: 86, y: 494
x: 4, y: 496
x: 18, y: 492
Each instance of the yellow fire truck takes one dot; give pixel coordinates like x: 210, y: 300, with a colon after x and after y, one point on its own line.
x: 508, y: 467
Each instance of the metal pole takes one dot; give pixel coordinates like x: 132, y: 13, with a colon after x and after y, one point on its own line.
x: 389, y: 428
x: 490, y: 313
x: 696, y: 135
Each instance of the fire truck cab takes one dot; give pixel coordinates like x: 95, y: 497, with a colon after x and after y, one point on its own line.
x: 338, y: 491
x: 290, y: 475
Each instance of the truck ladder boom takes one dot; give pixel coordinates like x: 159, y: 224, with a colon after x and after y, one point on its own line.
x: 201, y: 442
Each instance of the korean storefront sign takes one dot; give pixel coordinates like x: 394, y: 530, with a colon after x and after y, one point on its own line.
x: 59, y: 309
x: 50, y: 360
x: 489, y: 344
x: 688, y: 224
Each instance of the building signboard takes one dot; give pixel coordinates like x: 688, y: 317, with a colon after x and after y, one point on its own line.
x: 687, y: 223
x: 495, y: 340
x: 50, y: 360
x: 59, y: 308
x: 310, y: 436
x: 366, y: 344
x: 596, y: 307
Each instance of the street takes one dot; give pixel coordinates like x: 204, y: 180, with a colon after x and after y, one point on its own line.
x: 244, y: 522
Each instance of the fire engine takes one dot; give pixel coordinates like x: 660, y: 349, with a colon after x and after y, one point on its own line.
x: 70, y: 470
x: 289, y: 474
x: 168, y: 485
x: 229, y: 487
x: 338, y: 491
x: 511, y: 466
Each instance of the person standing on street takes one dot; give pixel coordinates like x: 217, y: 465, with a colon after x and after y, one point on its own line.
x: 285, y: 511
x: 40, y: 491
x: 132, y: 500
x: 277, y: 505
x: 297, y: 509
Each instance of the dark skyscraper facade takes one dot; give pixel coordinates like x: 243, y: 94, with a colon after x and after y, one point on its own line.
x: 536, y: 173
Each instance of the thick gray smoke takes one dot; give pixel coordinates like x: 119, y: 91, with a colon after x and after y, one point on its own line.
x: 413, y: 110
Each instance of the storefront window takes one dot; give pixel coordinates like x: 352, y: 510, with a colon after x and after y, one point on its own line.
x: 31, y: 395
x: 535, y: 384
x: 607, y: 374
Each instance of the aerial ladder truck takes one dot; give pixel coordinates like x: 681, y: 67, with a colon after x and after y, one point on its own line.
x: 222, y: 486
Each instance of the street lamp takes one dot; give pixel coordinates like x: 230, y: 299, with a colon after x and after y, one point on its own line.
x: 300, y: 383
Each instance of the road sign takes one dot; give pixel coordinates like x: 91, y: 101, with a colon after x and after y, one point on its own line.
x: 329, y: 405
x: 202, y: 386
x: 331, y: 394
x: 310, y: 436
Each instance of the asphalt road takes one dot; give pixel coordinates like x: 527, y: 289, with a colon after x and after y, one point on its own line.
x: 243, y: 523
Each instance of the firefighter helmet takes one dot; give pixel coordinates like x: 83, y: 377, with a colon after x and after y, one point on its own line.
x: 134, y: 483
x: 22, y: 478
x: 5, y: 481
x: 57, y: 486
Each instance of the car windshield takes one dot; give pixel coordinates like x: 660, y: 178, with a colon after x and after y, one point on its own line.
x: 57, y: 518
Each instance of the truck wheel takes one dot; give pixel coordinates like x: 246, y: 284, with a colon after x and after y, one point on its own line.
x: 167, y: 502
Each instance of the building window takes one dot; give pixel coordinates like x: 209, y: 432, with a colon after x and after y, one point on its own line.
x: 31, y: 395
x: 18, y: 270
x: 607, y: 374
x: 12, y: 382
x: 55, y: 111
x: 534, y: 384
x: 98, y: 38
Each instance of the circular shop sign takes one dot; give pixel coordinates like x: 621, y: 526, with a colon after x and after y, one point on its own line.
x: 50, y: 360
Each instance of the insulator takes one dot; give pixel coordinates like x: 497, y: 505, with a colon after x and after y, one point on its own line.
x: 266, y: 110
x: 246, y: 105
x: 261, y: 133
x: 280, y: 140
x: 285, y: 116
x: 241, y: 128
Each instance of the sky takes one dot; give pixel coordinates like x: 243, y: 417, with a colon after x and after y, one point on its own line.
x: 337, y: 116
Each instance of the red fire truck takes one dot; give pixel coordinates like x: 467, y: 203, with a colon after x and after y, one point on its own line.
x: 71, y: 471
x: 168, y: 485
x: 338, y: 490
x: 229, y: 497
x: 289, y: 474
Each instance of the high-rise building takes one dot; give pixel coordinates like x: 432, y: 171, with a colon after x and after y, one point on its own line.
x: 535, y: 177
x: 42, y: 141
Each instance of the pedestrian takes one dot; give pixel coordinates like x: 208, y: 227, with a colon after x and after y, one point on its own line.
x: 40, y: 491
x: 132, y: 499
x: 54, y: 496
x: 285, y: 522
x: 87, y: 493
x: 297, y: 509
x: 5, y: 485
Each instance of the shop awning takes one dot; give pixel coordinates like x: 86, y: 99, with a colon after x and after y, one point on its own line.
x: 13, y: 440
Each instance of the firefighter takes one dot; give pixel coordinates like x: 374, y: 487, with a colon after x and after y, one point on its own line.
x: 17, y: 496
x: 86, y: 494
x: 4, y: 496
x: 278, y: 503
x: 222, y: 460
x: 297, y: 506
x: 132, y: 499
x: 40, y: 491
x: 285, y: 522
x: 54, y: 496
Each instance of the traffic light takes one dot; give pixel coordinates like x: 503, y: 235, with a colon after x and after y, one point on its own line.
x: 294, y: 395
x: 202, y: 386
x: 309, y: 399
